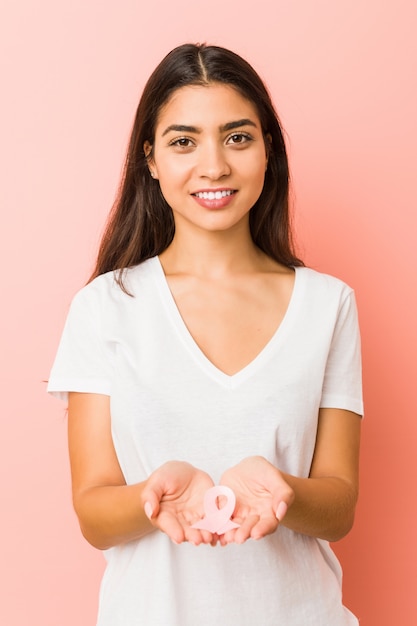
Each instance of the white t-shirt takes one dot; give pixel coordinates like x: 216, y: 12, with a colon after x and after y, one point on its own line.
x: 169, y: 402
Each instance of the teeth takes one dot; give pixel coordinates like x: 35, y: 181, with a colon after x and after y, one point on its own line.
x: 213, y: 195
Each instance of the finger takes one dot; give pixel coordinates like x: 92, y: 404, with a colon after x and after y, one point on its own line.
x: 148, y: 510
x: 281, y: 501
x: 227, y: 537
x: 194, y: 536
x: 243, y: 533
x: 169, y: 524
x: 151, y: 497
x: 265, y: 526
x: 207, y: 536
x: 238, y: 518
x: 151, y: 505
x: 281, y: 511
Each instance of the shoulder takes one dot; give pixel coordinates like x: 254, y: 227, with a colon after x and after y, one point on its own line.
x: 323, y: 295
x: 106, y: 288
x: 319, y: 283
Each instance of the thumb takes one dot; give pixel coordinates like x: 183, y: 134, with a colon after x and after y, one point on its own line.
x: 281, y: 510
x: 282, y: 500
x: 150, y: 501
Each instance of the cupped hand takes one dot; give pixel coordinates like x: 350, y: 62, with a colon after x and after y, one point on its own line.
x: 173, y: 501
x: 262, y: 499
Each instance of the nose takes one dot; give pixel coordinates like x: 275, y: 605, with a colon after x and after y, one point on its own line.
x: 212, y: 161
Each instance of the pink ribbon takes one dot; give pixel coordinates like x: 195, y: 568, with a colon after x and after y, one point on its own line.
x: 217, y: 520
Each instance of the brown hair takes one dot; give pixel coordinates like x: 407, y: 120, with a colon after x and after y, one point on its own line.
x: 141, y: 223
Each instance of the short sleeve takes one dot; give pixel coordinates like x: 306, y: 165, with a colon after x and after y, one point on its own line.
x: 82, y: 363
x: 342, y: 386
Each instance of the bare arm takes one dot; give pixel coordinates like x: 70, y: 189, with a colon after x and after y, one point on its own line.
x: 321, y: 505
x: 324, y: 504
x: 111, y: 512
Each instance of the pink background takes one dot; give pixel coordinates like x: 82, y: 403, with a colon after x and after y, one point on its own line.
x: 343, y: 76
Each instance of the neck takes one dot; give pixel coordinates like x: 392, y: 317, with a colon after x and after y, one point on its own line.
x: 212, y: 254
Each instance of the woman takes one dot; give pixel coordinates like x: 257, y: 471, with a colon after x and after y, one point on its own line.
x: 203, y: 353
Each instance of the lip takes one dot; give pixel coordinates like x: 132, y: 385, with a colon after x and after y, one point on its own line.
x: 223, y: 197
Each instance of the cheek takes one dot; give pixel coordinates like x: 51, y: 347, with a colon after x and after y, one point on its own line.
x: 172, y: 173
x: 172, y: 182
x: 258, y: 176
x: 256, y: 186
x: 254, y: 168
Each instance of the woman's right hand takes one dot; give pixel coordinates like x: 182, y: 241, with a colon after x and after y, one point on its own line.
x: 173, y: 500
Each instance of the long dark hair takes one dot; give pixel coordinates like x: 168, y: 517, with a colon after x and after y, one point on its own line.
x: 141, y: 223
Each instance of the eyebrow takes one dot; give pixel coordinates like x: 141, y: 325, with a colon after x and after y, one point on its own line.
x: 183, y: 128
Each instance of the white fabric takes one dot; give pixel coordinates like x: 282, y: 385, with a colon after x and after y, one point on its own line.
x: 168, y: 401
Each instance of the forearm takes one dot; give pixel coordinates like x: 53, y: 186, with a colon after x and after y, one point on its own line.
x: 323, y: 507
x: 111, y: 515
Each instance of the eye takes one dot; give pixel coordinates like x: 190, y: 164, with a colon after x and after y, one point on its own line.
x: 238, y: 139
x: 182, y: 142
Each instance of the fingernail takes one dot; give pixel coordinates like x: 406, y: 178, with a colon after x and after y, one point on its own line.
x: 281, y: 511
x: 148, y: 509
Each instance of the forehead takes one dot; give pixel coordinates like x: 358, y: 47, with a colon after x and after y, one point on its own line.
x: 201, y: 106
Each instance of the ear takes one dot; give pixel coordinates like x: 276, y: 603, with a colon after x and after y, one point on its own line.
x: 147, y: 149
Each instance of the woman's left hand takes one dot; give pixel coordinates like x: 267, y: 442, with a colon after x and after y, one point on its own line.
x: 262, y: 499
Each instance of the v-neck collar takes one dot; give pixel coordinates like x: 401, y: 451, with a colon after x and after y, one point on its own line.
x: 226, y: 380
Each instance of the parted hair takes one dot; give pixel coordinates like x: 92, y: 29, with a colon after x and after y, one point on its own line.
x: 141, y: 223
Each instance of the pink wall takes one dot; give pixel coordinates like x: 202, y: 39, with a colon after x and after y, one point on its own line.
x: 343, y: 78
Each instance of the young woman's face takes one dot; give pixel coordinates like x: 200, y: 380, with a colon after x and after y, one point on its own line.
x: 209, y: 156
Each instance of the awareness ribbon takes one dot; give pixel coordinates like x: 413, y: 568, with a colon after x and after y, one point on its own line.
x: 217, y: 520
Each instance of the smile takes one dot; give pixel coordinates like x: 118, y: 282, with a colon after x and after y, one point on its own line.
x: 213, y: 195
